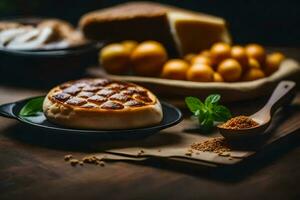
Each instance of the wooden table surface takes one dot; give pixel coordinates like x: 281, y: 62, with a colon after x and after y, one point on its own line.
x: 32, y: 167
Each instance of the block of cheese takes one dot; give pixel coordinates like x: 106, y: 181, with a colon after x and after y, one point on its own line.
x: 178, y: 29
x: 193, y: 33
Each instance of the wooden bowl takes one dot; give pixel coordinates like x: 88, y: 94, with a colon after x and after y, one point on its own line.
x: 177, y: 89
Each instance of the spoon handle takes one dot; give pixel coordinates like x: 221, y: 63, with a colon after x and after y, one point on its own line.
x: 280, y: 96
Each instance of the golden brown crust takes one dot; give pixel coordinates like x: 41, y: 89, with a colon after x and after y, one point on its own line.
x: 100, y: 103
x: 124, y: 21
x: 142, y: 21
x: 132, y: 10
x: 96, y: 92
x: 124, y: 11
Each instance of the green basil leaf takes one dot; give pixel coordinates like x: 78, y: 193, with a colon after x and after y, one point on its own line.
x: 212, y: 99
x: 198, y: 113
x: 209, y: 112
x: 193, y: 104
x: 201, y: 114
x: 33, y: 107
x: 207, y: 124
x: 221, y: 113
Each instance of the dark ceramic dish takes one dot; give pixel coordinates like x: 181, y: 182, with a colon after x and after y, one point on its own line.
x: 171, y: 117
x: 45, y: 68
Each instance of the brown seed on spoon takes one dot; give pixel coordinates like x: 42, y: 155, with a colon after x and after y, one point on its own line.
x: 239, y: 122
x: 257, y: 123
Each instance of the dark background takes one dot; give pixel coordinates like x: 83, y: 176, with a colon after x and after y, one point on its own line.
x: 274, y: 23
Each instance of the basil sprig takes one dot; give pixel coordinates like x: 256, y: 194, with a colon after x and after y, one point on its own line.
x: 32, y: 107
x: 208, y: 112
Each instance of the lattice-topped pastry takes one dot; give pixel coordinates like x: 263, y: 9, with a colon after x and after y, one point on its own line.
x: 102, y: 104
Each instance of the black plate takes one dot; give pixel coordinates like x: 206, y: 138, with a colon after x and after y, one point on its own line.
x: 45, y: 68
x: 171, y: 117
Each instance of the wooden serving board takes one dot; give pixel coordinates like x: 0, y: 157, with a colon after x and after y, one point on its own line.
x: 173, y: 144
x: 177, y: 89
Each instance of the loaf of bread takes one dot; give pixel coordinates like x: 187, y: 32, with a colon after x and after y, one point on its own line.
x: 178, y: 29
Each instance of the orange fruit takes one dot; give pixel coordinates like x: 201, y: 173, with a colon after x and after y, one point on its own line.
x: 130, y: 44
x: 219, y: 52
x: 175, y: 69
x: 148, y: 58
x: 205, y: 53
x: 239, y: 53
x: 253, y: 63
x: 115, y: 58
x: 257, y: 52
x: 218, y: 77
x: 230, y: 70
x: 202, y: 60
x: 273, y: 62
x: 253, y: 74
x: 189, y: 57
x: 200, y: 73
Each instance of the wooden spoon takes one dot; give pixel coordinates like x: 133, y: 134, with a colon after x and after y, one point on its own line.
x: 282, y: 95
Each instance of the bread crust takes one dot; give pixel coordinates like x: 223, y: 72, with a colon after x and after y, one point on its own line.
x: 142, y: 21
x: 96, y: 117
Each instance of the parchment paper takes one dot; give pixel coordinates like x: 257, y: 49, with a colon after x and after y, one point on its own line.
x: 174, y: 143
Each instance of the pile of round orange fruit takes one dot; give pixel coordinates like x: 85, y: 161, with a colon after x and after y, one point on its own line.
x: 221, y: 63
x: 144, y: 59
